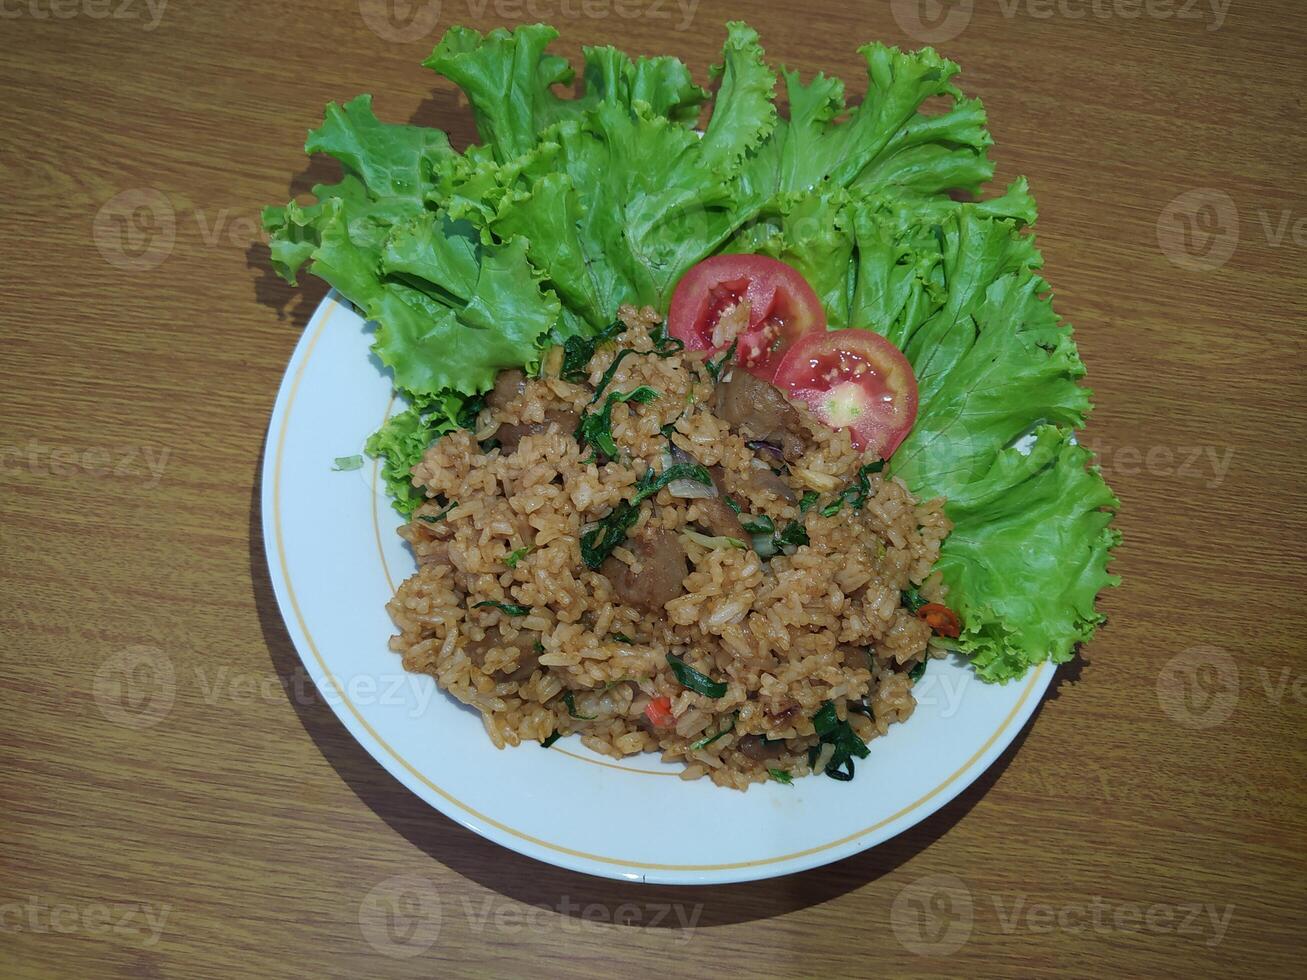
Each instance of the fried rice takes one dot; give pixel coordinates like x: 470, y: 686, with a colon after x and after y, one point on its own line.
x: 790, y: 641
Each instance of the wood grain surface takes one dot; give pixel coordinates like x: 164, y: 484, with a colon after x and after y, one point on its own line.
x: 221, y: 822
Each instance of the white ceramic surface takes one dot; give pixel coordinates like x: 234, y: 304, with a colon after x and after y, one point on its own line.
x: 335, y: 559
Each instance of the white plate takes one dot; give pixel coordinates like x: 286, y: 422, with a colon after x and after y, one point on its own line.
x: 335, y: 561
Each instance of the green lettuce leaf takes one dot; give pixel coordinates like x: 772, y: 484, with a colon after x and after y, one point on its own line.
x: 480, y: 313
x: 450, y: 311
x: 617, y: 202
x: 405, y: 436
x: 577, y: 203
x: 509, y: 80
x: 1029, y: 556
x: 744, y: 113
x: 887, y: 143
x: 386, y: 171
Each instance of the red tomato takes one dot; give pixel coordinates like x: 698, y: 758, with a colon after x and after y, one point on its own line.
x: 707, y: 309
x: 855, y: 380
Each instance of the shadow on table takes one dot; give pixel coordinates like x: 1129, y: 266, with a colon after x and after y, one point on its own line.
x: 534, y: 883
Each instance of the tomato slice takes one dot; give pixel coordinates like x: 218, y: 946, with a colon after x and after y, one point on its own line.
x: 855, y: 380
x: 710, y: 304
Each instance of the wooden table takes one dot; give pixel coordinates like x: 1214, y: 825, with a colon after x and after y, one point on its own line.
x: 1149, y: 822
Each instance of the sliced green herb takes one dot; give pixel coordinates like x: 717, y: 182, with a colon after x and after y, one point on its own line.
x: 437, y: 518
x: 759, y: 525
x: 826, y: 719
x: 598, y: 543
x: 731, y: 503
x: 622, y: 638
x: 794, y: 534
x: 488, y: 445
x: 346, y: 463
x: 918, y: 671
x: 687, y: 676
x: 538, y: 647
x: 912, y: 599
x: 715, y: 368
x: 840, y: 734
x: 507, y: 608
x: 781, y: 776
x: 665, y: 345
x: 569, y: 699
x: 516, y: 556
x: 652, y: 482
x: 551, y: 739
x: 578, y: 350
x: 863, y: 484
x: 709, y: 739
x: 768, y: 544
x: 809, y: 498
x: 595, y: 428
x: 855, y: 494
x: 612, y: 370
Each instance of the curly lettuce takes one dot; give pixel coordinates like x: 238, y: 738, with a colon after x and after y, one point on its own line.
x: 618, y: 199
x: 575, y: 203
x: 450, y: 310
